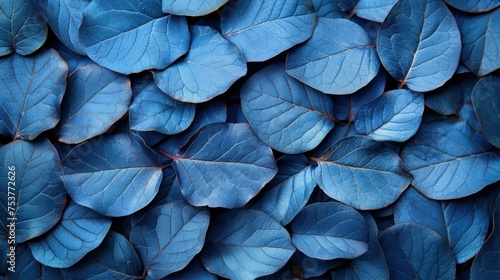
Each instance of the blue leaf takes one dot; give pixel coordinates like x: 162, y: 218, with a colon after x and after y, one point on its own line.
x: 153, y: 110
x: 210, y: 67
x: 22, y: 27
x: 480, y: 37
x: 370, y: 265
x: 80, y: 231
x: 169, y: 236
x: 394, y: 116
x: 486, y: 100
x: 450, y: 160
x: 115, y: 258
x: 374, y: 10
x: 169, y: 190
x: 262, y: 29
x: 286, y: 114
x: 224, y: 165
x: 413, y: 251
x: 65, y: 18
x: 288, y: 191
x: 362, y: 173
x: 419, y: 44
x: 338, y: 59
x: 23, y: 264
x: 330, y: 230
x: 95, y: 99
x: 194, y: 270
x: 73, y: 59
x: 474, y: 6
x: 129, y: 36
x: 311, y: 267
x: 191, y: 8
x: 116, y: 178
x: 246, y: 244
x: 31, y: 177
x: 449, y: 99
x: 32, y: 91
x: 485, y: 264
x: 328, y: 9
x: 467, y: 112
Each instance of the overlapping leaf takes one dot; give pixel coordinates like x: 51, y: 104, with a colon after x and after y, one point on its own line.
x: 191, y: 7
x: 374, y: 10
x: 449, y: 99
x: 327, y: 8
x: 286, y: 114
x: 486, y: 101
x: 474, y: 6
x: 338, y: 59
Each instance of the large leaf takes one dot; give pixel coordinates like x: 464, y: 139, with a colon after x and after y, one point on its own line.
x: 330, y: 230
x: 480, y: 37
x: 115, y: 258
x: 191, y: 8
x: 153, y: 110
x: 463, y: 223
x: 210, y: 67
x: 224, y: 165
x: 116, y: 178
x: 419, y: 44
x: 262, y: 28
x: 169, y: 236
x: 245, y: 244
x: 129, y: 36
x: 64, y: 18
x: 95, y: 99
x: 449, y: 99
x: 288, y: 191
x: 286, y: 114
x: 413, y: 251
x: 474, y: 6
x: 394, y: 116
x: 22, y: 27
x: 32, y: 91
x: 374, y: 10
x: 450, y: 160
x: 80, y: 231
x: 338, y: 59
x: 33, y: 191
x: 486, y: 101
x: 362, y: 173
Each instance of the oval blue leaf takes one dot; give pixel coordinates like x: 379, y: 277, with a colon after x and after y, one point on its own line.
x: 224, y: 165
x: 413, y: 251
x: 34, y: 88
x: 474, y: 6
x: 65, y: 18
x: 246, y: 244
x: 262, y: 29
x: 463, y: 223
x: 37, y: 189
x: 191, y: 8
x: 362, y: 173
x: 115, y: 178
x: 22, y: 27
x: 286, y: 114
x: 153, y: 110
x: 328, y: 9
x: 169, y: 236
x: 374, y: 10
x: 338, y: 59
x: 80, y: 231
x: 210, y: 67
x: 95, y: 99
x: 394, y: 116
x: 449, y: 99
x: 330, y: 230
x: 288, y: 191
x: 139, y: 36
x: 480, y: 37
x: 115, y: 258
x: 486, y: 101
x: 450, y: 160
x: 419, y: 44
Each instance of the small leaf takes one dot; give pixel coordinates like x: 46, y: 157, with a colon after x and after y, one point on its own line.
x: 262, y: 29
x: 169, y: 236
x: 80, y: 231
x: 419, y: 44
x: 286, y: 114
x: 486, y: 100
x: 330, y: 230
x: 33, y: 88
x: 246, y: 244
x: 338, y: 59
x: 115, y: 178
x: 474, y: 6
x: 210, y: 67
x: 394, y: 116
x: 191, y: 8
x: 449, y: 99
x: 130, y: 36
